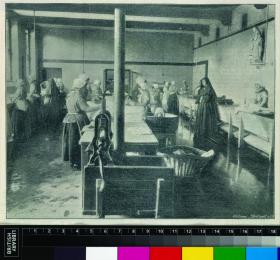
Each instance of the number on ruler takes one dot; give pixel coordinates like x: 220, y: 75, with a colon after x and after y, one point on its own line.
x: 202, y: 231
x: 216, y: 231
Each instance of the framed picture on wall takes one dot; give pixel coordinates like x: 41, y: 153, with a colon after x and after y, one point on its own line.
x: 109, y: 80
x: 48, y: 73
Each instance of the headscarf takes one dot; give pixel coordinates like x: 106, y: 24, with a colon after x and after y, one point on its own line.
x: 84, y: 78
x: 259, y: 88
x: 172, y: 88
x: 59, y: 84
x: 31, y: 78
x: 78, y: 84
x: 156, y: 86
x: 140, y: 81
x: 209, y: 85
x: 97, y: 91
x: 20, y: 83
x: 97, y: 82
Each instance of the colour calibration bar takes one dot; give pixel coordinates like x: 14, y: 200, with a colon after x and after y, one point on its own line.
x: 167, y: 253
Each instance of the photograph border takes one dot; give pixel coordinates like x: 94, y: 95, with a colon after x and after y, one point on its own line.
x: 141, y: 221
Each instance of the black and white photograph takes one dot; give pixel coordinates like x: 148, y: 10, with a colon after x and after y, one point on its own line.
x: 120, y: 111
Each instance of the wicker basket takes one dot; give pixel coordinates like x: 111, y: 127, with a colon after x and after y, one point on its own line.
x: 187, y: 161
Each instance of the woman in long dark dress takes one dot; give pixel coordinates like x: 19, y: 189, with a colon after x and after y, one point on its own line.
x: 20, y: 119
x: 74, y: 122
x: 50, y: 107
x: 173, y: 101
x: 35, y: 103
x: 54, y: 106
x: 62, y: 98
x: 207, y: 113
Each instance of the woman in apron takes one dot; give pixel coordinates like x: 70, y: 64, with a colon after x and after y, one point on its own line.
x: 74, y: 122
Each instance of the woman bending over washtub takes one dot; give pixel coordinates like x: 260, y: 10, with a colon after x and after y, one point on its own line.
x: 75, y: 120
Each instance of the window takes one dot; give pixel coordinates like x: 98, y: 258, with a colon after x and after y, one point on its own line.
x: 244, y: 21
x: 8, y: 51
x: 199, y: 42
x: 217, y: 33
x: 109, y: 80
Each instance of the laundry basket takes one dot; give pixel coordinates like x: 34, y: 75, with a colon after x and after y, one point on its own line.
x: 187, y: 161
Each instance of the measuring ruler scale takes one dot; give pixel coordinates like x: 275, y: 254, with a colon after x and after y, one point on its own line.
x: 121, y: 241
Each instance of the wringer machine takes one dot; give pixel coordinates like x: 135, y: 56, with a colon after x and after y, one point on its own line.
x: 115, y: 183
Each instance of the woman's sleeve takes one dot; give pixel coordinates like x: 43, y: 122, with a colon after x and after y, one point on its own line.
x: 197, y: 94
x: 264, y: 98
x: 145, y: 98
x: 15, y: 96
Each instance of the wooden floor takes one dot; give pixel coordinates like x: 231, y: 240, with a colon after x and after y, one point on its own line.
x: 235, y: 185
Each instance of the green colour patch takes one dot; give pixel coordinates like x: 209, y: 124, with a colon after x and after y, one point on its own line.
x: 229, y: 253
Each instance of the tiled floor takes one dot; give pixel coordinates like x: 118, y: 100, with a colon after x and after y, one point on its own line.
x: 235, y: 185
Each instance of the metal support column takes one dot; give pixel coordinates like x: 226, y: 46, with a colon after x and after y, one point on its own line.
x: 119, y: 76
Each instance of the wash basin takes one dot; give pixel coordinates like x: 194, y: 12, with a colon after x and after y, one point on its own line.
x: 135, y: 185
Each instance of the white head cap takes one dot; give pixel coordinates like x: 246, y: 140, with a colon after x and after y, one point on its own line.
x: 59, y: 82
x: 84, y: 77
x: 77, y: 84
x: 31, y: 78
x: 97, y: 82
x: 20, y: 83
x: 172, y: 88
x: 139, y: 81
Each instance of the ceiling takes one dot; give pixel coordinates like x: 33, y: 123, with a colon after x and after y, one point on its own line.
x: 184, y: 18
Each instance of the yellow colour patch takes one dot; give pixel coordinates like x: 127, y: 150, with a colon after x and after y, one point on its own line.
x: 197, y: 253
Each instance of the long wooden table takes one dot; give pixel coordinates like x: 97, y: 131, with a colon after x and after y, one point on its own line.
x: 138, y: 136
x: 259, y: 129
